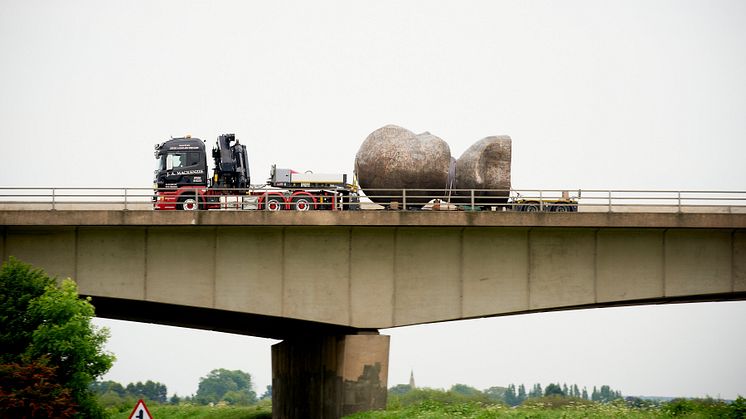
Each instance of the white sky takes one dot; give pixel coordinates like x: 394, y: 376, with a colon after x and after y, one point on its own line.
x: 595, y: 94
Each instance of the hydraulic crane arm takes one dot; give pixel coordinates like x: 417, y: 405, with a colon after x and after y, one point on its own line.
x: 231, y: 163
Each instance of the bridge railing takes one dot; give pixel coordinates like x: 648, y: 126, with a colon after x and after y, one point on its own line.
x: 552, y: 200
x: 254, y: 198
x: 662, y: 201
x: 78, y: 198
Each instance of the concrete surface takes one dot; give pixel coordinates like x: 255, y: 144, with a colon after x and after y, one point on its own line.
x: 370, y: 218
x: 316, y: 268
x: 327, y: 377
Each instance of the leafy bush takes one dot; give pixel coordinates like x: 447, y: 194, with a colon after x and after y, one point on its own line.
x: 166, y: 411
x: 708, y: 408
x: 420, y: 395
x: 556, y: 402
x: 31, y: 390
x: 738, y: 408
x: 221, y: 384
x: 43, y: 323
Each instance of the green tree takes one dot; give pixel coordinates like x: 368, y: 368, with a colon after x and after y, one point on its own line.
x: 103, y: 387
x: 465, y: 390
x: 738, y: 408
x: 606, y: 394
x: 553, y: 390
x: 150, y: 390
x: 47, y: 324
x: 521, y: 394
x: 398, y: 389
x: 511, y: 398
x: 536, y: 391
x: 111, y: 394
x: 19, y: 285
x: 267, y: 395
x: 214, y: 387
x: 241, y: 398
x: 496, y: 394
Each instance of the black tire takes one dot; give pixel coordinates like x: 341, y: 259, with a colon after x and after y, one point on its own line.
x: 561, y: 208
x: 531, y: 208
x: 302, y: 203
x: 274, y: 203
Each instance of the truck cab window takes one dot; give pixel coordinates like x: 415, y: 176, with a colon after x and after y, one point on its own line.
x: 192, y: 159
x: 184, y: 159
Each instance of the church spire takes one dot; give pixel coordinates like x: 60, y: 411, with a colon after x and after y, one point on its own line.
x: 411, y: 380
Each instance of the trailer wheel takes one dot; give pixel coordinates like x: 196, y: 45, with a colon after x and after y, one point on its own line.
x: 531, y: 208
x: 188, y: 204
x: 561, y: 208
x: 274, y: 203
x: 302, y: 203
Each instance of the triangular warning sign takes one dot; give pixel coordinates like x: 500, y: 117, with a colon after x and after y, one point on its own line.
x: 140, y: 411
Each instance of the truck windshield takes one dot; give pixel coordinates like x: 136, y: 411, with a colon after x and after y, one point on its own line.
x: 178, y: 160
x: 185, y: 159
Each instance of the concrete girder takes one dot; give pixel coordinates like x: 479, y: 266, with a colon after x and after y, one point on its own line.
x: 380, y: 277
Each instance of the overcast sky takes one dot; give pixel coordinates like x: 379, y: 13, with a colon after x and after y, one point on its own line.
x: 595, y: 94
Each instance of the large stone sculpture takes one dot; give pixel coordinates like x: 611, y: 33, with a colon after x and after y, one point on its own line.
x: 393, y: 158
x: 485, y: 165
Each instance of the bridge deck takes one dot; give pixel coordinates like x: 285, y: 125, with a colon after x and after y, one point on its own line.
x: 377, y: 269
x: 370, y: 218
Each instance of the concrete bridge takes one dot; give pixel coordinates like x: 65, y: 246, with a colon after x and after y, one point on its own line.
x: 325, y: 282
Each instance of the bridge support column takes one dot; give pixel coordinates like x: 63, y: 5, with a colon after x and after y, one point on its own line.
x: 329, y: 376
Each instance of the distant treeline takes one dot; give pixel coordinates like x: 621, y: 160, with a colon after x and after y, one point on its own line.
x: 220, y: 386
x: 149, y: 390
x: 514, y: 396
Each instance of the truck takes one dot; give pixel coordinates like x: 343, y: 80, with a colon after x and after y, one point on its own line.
x: 181, y: 181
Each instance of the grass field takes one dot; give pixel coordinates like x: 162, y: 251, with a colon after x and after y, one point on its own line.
x: 541, y: 408
x: 473, y: 410
x: 202, y: 412
x: 434, y: 409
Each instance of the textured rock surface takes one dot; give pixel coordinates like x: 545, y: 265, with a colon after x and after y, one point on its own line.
x: 394, y: 157
x: 485, y: 165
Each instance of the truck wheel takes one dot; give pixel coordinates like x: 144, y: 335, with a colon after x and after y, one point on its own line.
x: 274, y: 203
x: 531, y: 207
x: 302, y: 203
x: 188, y: 204
x: 561, y: 208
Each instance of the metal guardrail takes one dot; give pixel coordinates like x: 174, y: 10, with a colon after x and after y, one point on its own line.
x: 586, y: 200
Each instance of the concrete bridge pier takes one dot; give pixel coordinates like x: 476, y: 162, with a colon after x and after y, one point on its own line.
x: 328, y: 377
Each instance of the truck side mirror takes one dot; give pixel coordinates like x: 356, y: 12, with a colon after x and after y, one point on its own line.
x: 169, y: 162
